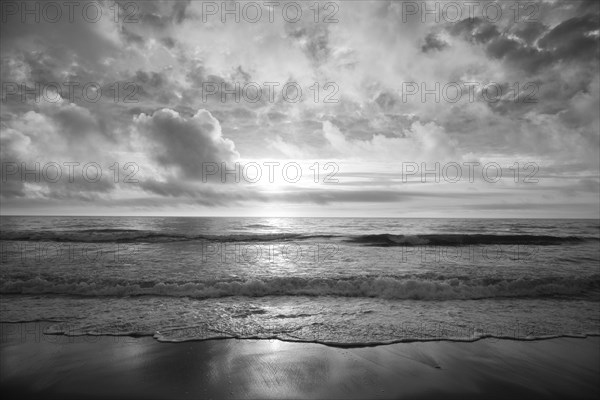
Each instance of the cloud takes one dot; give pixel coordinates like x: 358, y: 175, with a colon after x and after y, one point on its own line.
x: 433, y: 42
x: 573, y: 39
x: 184, y: 143
x: 368, y: 54
x: 44, y: 141
x: 422, y: 142
x: 533, y: 46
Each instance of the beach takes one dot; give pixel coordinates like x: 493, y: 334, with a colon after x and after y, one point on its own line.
x: 35, y: 365
x: 218, y: 308
x: 360, y: 199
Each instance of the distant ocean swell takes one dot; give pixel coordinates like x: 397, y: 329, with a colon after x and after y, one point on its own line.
x: 419, y: 288
x: 139, y: 236
x: 386, y: 240
x: 382, y: 240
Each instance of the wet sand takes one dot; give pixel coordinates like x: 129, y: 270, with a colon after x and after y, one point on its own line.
x: 34, y: 365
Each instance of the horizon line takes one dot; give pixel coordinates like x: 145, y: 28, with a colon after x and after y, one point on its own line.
x: 240, y: 216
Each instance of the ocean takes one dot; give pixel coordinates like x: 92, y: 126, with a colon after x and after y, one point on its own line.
x: 337, y: 281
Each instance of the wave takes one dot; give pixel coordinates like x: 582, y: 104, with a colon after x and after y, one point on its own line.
x: 389, y: 240
x: 387, y: 287
x: 205, y: 331
x: 170, y: 337
x: 145, y: 236
x: 380, y: 240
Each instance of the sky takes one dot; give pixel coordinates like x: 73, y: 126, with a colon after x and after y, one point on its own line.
x: 344, y: 109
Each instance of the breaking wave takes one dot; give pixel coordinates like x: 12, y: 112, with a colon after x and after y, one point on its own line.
x: 381, y: 240
x: 386, y: 240
x: 387, y: 287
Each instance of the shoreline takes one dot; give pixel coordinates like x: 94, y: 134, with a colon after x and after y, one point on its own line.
x: 60, y: 366
x: 42, y: 325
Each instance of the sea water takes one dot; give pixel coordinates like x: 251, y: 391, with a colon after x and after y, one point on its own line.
x: 339, y: 281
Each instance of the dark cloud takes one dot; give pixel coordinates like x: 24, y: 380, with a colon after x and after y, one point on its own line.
x: 234, y: 114
x: 185, y: 142
x: 433, y: 42
x: 160, y: 14
x: 540, y: 48
x: 59, y: 45
x: 533, y: 206
x: 77, y: 122
x: 239, y: 75
x: 313, y: 39
x: 10, y: 143
x: 276, y: 116
x: 151, y: 19
x: 213, y: 195
x: 169, y: 42
x: 179, y: 10
x: 499, y: 45
x: 132, y: 37
x: 529, y: 31
x: 153, y: 79
x: 341, y: 196
x: 572, y: 39
x: 475, y: 29
x: 196, y: 75
x: 386, y: 100
x: 203, y: 194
